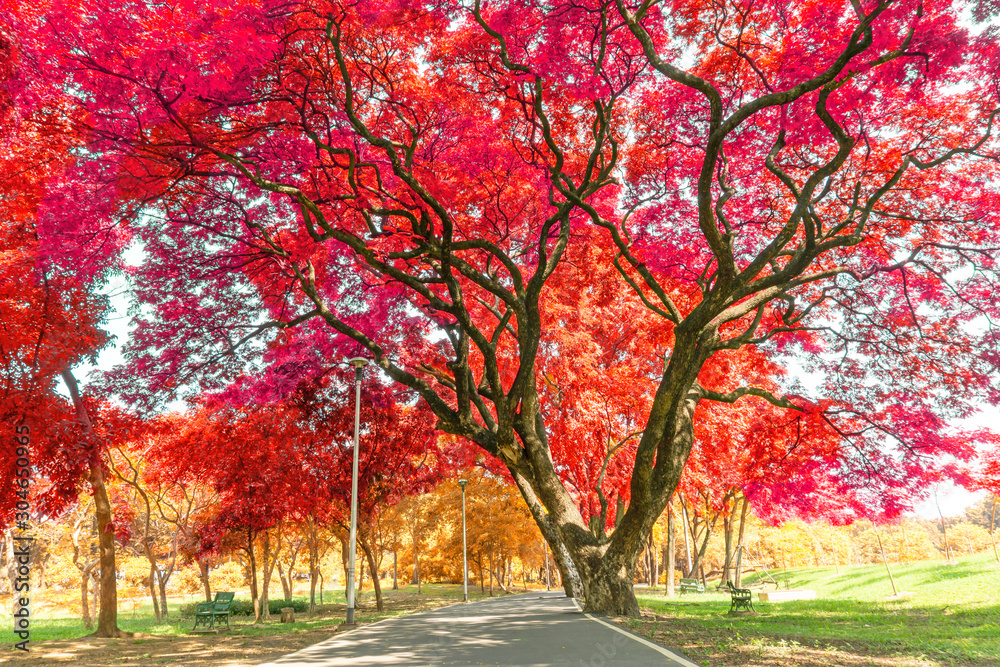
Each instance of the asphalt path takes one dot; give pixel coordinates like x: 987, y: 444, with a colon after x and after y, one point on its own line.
x: 532, y: 629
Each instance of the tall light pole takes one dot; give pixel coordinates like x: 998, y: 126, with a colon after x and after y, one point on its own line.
x: 358, y: 363
x: 465, y: 551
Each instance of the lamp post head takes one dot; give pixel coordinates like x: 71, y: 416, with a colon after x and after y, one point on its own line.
x: 462, y: 483
x: 358, y: 363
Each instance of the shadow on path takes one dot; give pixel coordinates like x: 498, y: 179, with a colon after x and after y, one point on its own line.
x: 533, y: 629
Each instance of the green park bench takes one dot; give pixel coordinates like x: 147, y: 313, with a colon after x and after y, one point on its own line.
x: 209, y: 614
x: 692, y: 586
x: 741, y: 599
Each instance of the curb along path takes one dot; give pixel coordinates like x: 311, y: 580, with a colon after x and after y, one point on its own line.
x: 528, y: 629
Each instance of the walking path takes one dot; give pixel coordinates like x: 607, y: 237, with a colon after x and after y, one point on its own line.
x: 525, y: 630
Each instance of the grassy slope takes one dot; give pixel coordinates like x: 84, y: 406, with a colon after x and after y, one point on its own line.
x: 952, y: 616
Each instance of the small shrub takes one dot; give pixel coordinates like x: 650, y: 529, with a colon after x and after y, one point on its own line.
x: 245, y: 607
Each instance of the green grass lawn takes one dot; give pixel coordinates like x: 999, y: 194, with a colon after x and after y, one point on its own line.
x: 951, y: 617
x: 47, y: 624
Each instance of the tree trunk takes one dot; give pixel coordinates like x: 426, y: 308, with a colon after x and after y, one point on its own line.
x: 286, y: 586
x: 152, y: 593
x: 344, y: 557
x: 671, y: 553
x: 728, y: 526
x: 270, y: 560
x: 886, y: 561
x: 376, y: 584
x: 361, y: 577
x: 96, y: 592
x: 312, y: 538
x: 610, y: 587
x: 161, y: 582
x: 203, y: 574
x: 944, y: 530
x: 569, y: 576
x: 700, y: 553
x: 395, y: 573
x: 107, y: 624
x: 739, y: 544
x: 254, y: 590
x: 684, y: 529
x: 88, y: 620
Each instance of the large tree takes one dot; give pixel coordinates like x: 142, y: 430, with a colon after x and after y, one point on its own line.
x: 402, y: 177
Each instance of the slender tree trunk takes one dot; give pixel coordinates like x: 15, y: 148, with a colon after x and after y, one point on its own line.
x: 739, y: 544
x: 254, y: 590
x: 312, y: 538
x: 344, y: 556
x: 161, y: 582
x: 286, y: 590
x: 671, y: 554
x: 269, y: 560
x: 85, y: 574
x: 728, y: 527
x: 361, y: 577
x: 395, y: 570
x: 886, y: 561
x: 700, y: 554
x: 107, y: 624
x: 152, y: 593
x: 944, y: 530
x: 684, y: 529
x: 376, y: 584
x: 96, y: 592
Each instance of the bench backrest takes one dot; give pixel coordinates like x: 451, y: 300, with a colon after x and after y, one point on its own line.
x: 223, y: 601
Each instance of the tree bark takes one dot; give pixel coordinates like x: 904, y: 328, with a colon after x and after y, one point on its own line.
x: 376, y: 584
x: 107, y: 624
x: 313, y: 538
x: 252, y: 565
x: 671, y: 550
x: 739, y: 544
x: 203, y: 574
x: 152, y: 593
x: 270, y: 560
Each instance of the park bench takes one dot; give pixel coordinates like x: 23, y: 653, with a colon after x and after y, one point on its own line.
x: 208, y: 614
x: 742, y: 599
x: 692, y: 586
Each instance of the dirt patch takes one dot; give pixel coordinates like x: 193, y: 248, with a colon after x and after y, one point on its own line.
x: 242, y: 646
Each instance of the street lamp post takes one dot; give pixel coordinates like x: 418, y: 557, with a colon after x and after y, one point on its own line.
x: 465, y: 551
x: 358, y: 363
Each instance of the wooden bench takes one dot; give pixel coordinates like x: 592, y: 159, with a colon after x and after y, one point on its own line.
x: 209, y: 614
x: 741, y: 599
x: 692, y: 586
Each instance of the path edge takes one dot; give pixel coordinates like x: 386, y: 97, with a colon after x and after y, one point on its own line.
x: 677, y: 657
